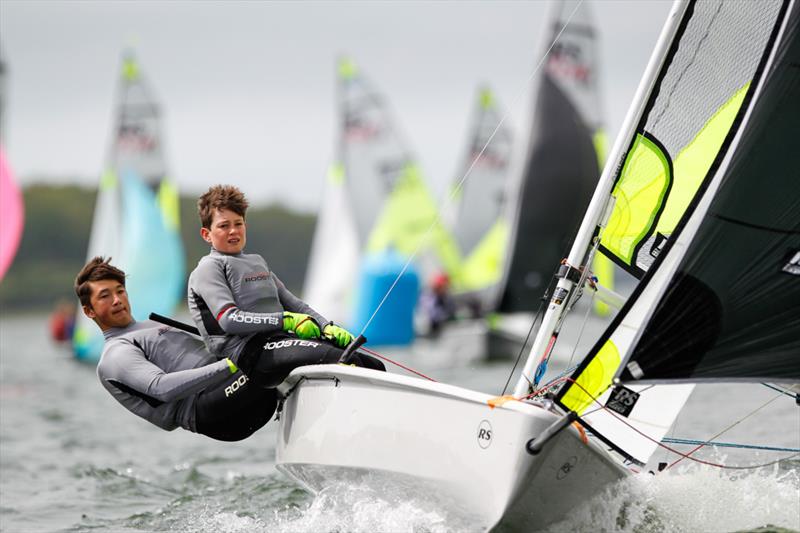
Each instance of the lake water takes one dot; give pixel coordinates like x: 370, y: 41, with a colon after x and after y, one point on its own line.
x: 72, y: 459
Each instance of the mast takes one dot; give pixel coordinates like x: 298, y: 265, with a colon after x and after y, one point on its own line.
x: 598, y: 209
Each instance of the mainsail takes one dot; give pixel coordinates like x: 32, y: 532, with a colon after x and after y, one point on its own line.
x: 566, y: 141
x: 477, y: 214
x: 705, y: 120
x: 136, y: 212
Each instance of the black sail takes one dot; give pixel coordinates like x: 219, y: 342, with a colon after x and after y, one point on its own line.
x: 561, y: 173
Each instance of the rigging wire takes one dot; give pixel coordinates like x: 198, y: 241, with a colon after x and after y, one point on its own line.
x: 727, y: 429
x: 688, y: 455
x: 675, y: 440
x: 524, y: 344
x: 455, y: 191
x: 583, y: 327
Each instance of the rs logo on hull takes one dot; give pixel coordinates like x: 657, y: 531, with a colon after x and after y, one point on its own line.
x: 484, y: 434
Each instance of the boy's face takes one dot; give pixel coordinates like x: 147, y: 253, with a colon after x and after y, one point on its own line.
x: 109, y: 305
x: 228, y: 232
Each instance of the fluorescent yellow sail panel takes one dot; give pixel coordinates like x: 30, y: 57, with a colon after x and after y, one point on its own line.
x: 484, y: 265
x: 603, y: 268
x: 169, y: 203
x: 336, y: 174
x: 692, y: 163
x: 600, y: 141
x: 639, y: 195
x: 594, y: 379
x: 347, y: 69
x: 130, y: 70
x: 108, y: 180
x: 404, y: 223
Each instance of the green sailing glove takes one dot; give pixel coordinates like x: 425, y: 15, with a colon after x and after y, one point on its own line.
x: 302, y: 324
x: 340, y: 336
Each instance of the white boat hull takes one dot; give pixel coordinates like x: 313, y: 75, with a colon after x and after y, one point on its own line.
x: 444, y: 443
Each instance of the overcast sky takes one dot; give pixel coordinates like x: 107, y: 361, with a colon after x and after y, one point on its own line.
x: 247, y: 88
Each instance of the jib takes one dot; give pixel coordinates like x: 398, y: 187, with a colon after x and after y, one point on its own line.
x: 233, y: 387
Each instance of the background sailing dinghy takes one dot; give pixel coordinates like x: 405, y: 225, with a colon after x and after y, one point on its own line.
x: 136, y: 213
x: 717, y: 105
x: 379, y: 208
x: 563, y: 154
x: 474, y: 213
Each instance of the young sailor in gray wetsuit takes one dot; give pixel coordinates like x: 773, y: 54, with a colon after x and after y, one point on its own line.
x: 165, y: 375
x: 244, y: 311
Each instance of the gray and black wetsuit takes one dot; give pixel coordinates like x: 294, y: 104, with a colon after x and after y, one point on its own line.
x: 238, y: 304
x: 169, y: 378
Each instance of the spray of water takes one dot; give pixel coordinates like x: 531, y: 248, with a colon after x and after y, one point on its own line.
x: 695, y: 498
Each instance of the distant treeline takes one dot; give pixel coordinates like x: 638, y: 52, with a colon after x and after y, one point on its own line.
x: 56, y: 236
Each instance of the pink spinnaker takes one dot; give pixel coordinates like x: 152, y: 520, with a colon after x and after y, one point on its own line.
x: 12, y: 214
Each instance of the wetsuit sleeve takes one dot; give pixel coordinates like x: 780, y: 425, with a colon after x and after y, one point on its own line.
x: 292, y: 303
x: 210, y: 286
x: 125, y: 364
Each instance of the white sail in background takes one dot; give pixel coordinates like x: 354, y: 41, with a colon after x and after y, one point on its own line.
x: 476, y: 216
x: 335, y: 253
x: 136, y: 220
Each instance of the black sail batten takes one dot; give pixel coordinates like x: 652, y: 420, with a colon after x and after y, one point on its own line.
x: 738, y: 259
x: 561, y: 174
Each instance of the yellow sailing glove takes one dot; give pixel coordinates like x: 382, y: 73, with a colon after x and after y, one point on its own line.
x: 340, y: 336
x: 303, y: 325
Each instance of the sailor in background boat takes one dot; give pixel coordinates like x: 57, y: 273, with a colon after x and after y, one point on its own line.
x: 165, y: 375
x: 437, y: 303
x: 243, y: 308
x: 62, y: 322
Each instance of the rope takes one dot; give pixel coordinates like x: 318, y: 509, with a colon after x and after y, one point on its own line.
x: 727, y: 429
x: 449, y: 199
x: 671, y: 440
x: 689, y: 454
x: 522, y: 348
x: 408, y: 369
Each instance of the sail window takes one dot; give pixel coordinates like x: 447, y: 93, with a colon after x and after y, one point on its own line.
x: 640, y: 194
